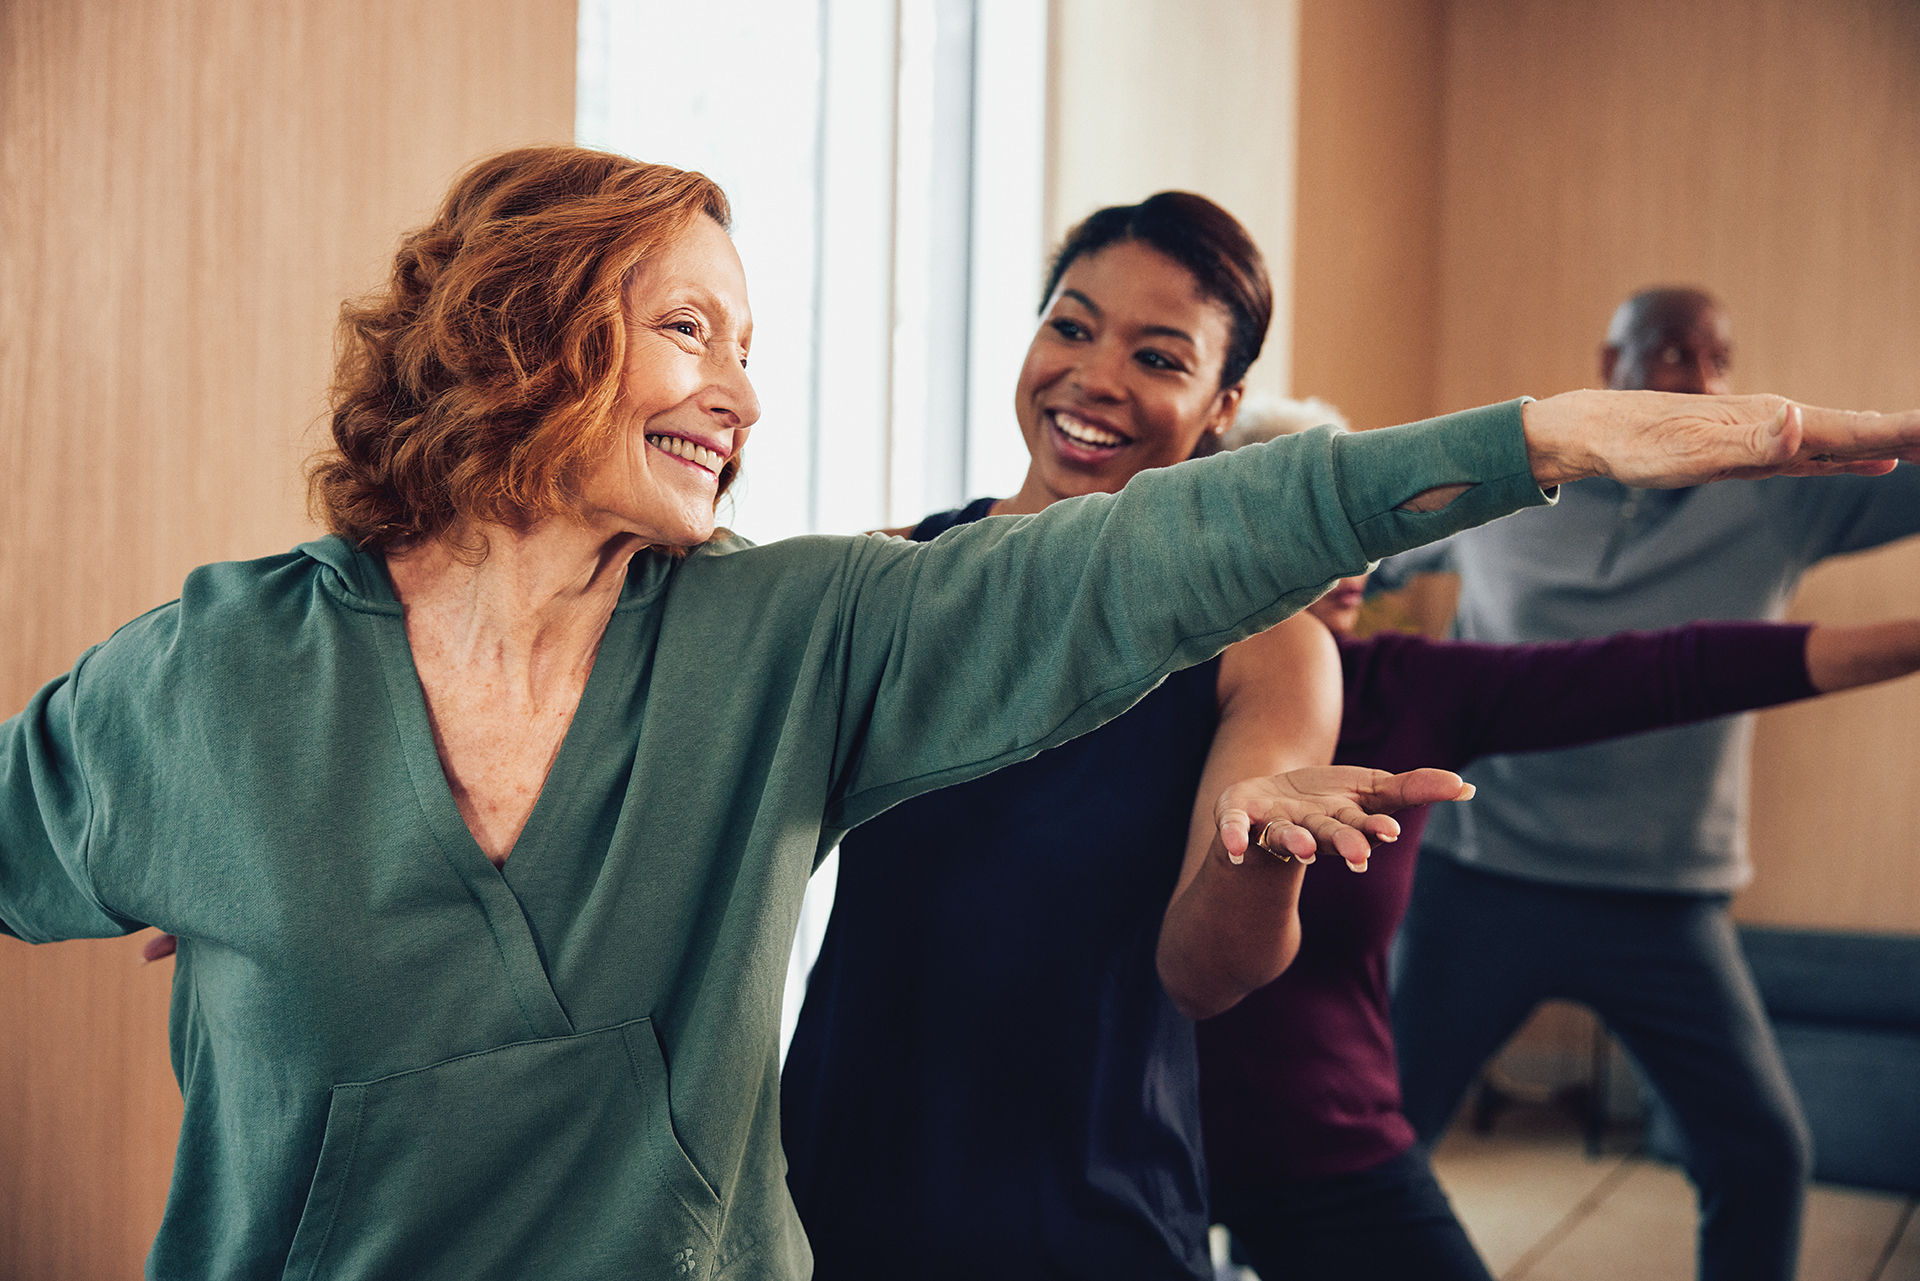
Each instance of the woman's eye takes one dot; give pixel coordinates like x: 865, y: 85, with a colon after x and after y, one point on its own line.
x: 686, y: 327
x: 1158, y: 360
x: 1068, y: 329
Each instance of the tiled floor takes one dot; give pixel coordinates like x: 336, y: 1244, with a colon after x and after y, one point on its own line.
x: 1540, y: 1209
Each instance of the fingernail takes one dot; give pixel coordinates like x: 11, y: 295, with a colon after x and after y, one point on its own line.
x: 1236, y: 859
x: 1356, y: 867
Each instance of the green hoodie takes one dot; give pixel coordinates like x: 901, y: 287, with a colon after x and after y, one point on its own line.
x: 400, y: 1061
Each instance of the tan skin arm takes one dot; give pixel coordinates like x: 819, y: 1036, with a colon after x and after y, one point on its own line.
x: 1233, y: 923
x: 1228, y: 928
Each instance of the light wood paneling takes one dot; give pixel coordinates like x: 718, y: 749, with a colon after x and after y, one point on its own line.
x: 187, y: 191
x: 1770, y: 150
x: 1367, y: 231
x: 1159, y: 94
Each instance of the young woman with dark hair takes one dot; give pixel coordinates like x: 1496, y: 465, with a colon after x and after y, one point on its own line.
x: 985, y: 1046
x: 995, y: 1047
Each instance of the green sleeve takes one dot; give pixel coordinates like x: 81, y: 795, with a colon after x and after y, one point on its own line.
x: 46, y: 816
x: 1007, y: 636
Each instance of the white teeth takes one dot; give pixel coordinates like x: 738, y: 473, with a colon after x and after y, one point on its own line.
x: 1086, y: 433
x: 680, y: 447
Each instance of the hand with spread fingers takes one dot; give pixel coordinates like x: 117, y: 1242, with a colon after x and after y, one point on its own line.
x: 1343, y: 810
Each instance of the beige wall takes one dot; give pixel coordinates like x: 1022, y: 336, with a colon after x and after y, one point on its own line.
x: 1482, y: 180
x: 1768, y: 149
x: 1158, y: 94
x: 1366, y: 258
x: 1494, y: 175
x: 189, y: 190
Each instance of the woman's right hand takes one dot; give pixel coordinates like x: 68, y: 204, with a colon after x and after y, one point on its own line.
x: 1326, y: 809
x: 1666, y: 440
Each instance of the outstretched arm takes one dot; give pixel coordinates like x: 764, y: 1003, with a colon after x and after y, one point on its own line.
x: 1015, y: 634
x: 1012, y: 634
x: 1524, y: 698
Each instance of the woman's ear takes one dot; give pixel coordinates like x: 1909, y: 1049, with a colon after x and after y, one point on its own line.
x: 1226, y: 407
x: 1220, y: 416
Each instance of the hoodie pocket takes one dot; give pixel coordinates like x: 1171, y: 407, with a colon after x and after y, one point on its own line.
x: 549, y: 1158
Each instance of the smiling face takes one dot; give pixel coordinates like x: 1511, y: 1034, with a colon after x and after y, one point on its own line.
x: 685, y: 403
x: 1122, y: 375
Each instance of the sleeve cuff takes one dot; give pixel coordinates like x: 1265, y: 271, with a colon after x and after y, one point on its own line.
x: 1483, y: 448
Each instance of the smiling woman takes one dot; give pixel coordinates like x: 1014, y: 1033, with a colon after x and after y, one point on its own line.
x: 555, y: 757
x: 485, y: 376
x: 684, y: 392
x: 1153, y: 314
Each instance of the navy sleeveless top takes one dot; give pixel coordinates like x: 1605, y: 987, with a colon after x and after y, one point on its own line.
x: 987, y: 1079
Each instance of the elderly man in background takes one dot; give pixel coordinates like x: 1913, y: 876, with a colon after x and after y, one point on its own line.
x: 1545, y: 886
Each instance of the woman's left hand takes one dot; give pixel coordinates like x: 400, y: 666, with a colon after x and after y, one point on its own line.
x: 1665, y: 440
x: 1332, y: 809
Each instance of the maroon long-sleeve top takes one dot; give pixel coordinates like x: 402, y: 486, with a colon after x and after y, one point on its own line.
x: 1298, y: 1081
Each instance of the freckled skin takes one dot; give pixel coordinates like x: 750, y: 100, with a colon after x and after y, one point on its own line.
x: 503, y: 650
x: 685, y: 375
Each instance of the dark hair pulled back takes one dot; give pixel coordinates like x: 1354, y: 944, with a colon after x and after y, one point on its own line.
x: 1203, y: 238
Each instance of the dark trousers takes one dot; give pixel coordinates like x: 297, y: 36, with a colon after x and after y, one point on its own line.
x: 1390, y: 1223
x: 1479, y: 951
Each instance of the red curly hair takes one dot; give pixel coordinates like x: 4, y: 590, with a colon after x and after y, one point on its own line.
x: 479, y: 385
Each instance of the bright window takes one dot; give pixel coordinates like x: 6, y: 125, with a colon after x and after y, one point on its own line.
x: 885, y: 160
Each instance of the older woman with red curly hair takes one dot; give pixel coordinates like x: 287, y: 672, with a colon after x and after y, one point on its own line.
x: 483, y: 821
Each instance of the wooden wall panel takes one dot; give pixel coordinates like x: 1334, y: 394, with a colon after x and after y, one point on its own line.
x: 1769, y: 149
x: 1161, y: 94
x: 187, y: 191
x: 1367, y: 230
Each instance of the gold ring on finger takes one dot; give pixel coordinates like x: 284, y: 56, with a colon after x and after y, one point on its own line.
x: 1279, y: 853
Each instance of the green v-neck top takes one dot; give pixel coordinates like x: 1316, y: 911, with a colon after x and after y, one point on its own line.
x: 400, y: 1061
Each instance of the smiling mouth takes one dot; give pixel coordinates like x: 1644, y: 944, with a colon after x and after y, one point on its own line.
x: 687, y: 451
x: 1086, y: 435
